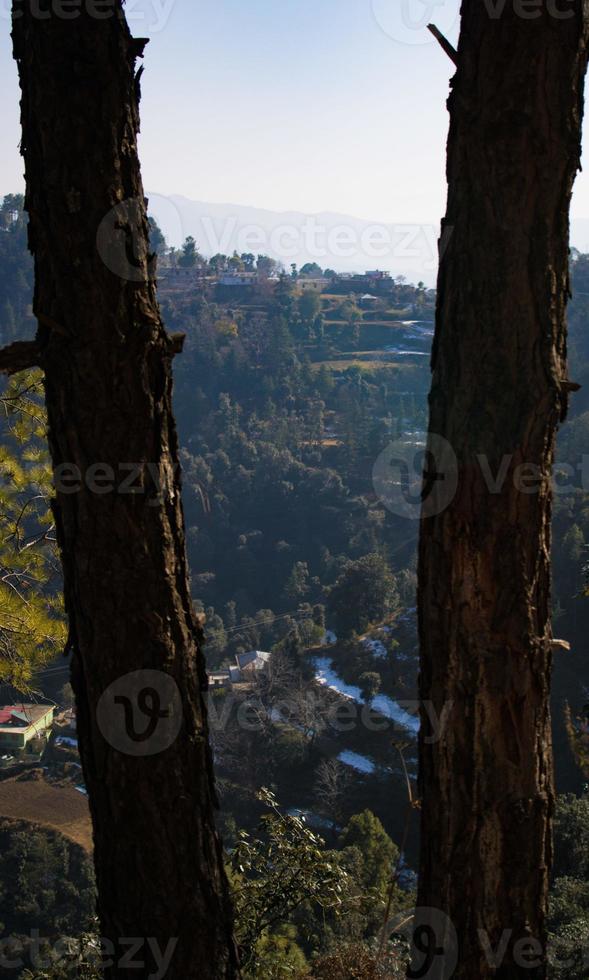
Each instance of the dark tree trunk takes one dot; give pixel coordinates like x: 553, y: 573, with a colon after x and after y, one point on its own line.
x: 498, y: 392
x: 107, y: 362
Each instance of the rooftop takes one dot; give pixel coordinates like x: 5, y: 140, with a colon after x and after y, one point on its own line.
x: 21, y: 716
x: 253, y: 657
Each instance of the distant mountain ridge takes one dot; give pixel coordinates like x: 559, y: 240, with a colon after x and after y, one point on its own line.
x: 335, y: 241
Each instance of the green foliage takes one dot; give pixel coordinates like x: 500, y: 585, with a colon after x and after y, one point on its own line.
x: 76, y: 959
x: 586, y: 572
x: 236, y: 263
x: 16, y: 272
x: 578, y: 733
x: 249, y: 260
x: 279, y: 957
x: 275, y: 475
x: 45, y: 881
x: 569, y: 898
x: 370, y: 684
x: 571, y: 837
x: 350, y: 312
x: 309, y: 305
x: 31, y: 617
x: 156, y: 237
x: 379, y: 853
x: 291, y: 749
x: 276, y: 873
x: 265, y: 265
x: 189, y: 256
x: 364, y: 594
x: 297, y: 583
x: 280, y: 512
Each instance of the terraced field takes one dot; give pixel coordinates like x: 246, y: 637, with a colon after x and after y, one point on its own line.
x: 58, y: 807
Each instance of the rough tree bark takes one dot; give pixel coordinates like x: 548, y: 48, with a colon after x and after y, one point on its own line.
x: 107, y: 363
x: 499, y: 390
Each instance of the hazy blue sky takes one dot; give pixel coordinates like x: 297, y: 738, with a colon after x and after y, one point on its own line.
x: 311, y: 105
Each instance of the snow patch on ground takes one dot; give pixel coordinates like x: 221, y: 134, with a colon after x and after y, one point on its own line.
x: 376, y: 648
x: 356, y: 761
x: 390, y: 709
x: 326, y: 675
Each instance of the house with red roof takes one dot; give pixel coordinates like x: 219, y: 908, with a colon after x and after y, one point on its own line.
x: 20, y: 723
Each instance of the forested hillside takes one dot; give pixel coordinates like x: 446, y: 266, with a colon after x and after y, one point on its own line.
x: 285, y: 401
x: 288, y: 397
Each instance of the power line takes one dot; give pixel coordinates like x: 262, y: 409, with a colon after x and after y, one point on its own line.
x: 266, y: 622
x: 232, y: 629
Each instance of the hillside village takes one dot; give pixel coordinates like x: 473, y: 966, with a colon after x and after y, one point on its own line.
x: 227, y: 278
x: 294, y: 548
x: 290, y: 390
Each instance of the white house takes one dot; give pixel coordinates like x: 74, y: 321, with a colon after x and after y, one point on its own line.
x: 238, y: 279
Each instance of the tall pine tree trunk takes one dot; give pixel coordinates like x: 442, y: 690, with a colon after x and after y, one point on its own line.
x: 499, y: 389
x: 107, y: 362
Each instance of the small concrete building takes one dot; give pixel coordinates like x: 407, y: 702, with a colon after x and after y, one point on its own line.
x: 219, y: 678
x: 316, y: 284
x: 234, y: 279
x: 254, y: 660
x: 246, y: 663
